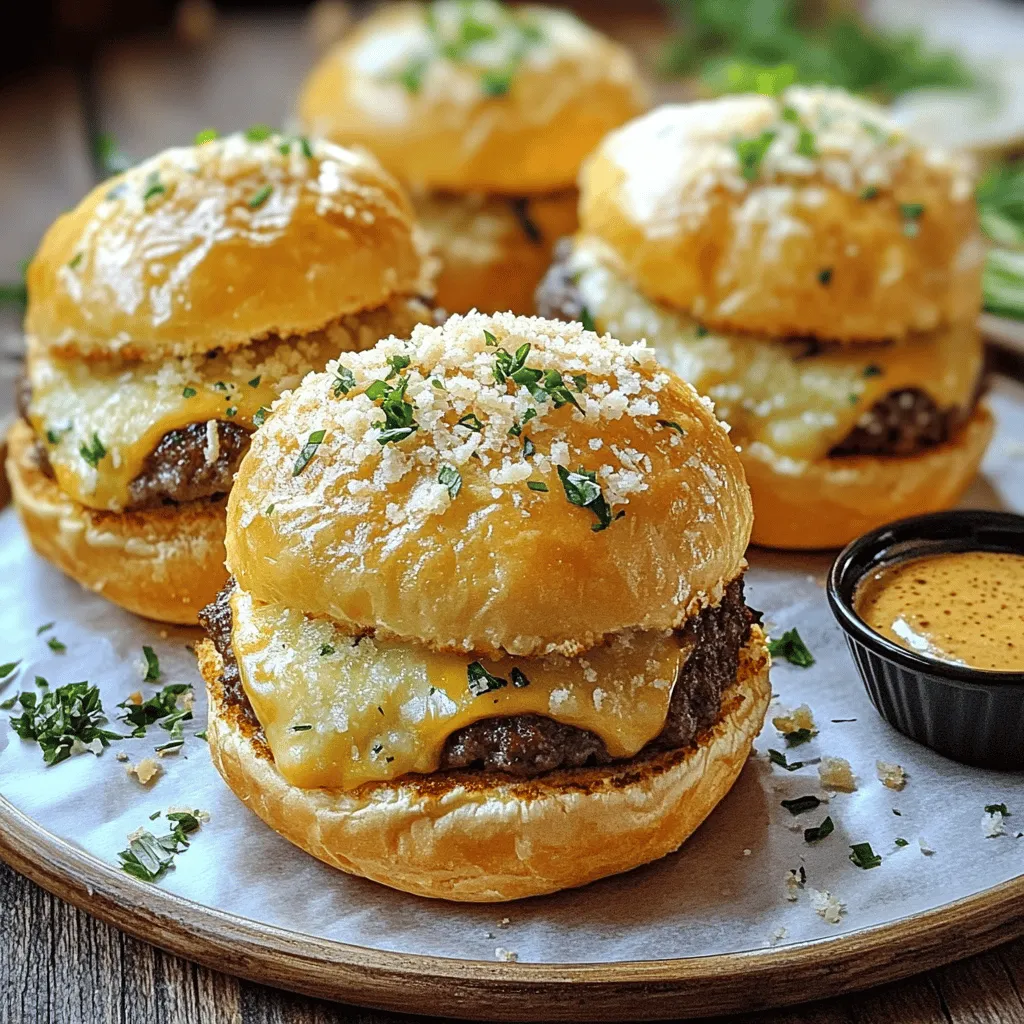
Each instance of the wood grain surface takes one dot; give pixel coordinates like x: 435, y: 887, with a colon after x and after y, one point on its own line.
x: 58, y: 965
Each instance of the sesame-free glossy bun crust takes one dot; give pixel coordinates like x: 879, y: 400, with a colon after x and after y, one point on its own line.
x: 370, y: 538
x: 827, y: 504
x: 828, y: 246
x: 487, y: 259
x: 483, y: 837
x: 207, y: 263
x: 566, y: 92
x: 164, y: 563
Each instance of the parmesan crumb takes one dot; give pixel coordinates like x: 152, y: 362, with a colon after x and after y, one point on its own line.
x: 992, y: 824
x: 211, y: 450
x: 506, y: 955
x: 146, y: 770
x: 827, y: 906
x: 836, y: 773
x: 892, y: 776
x: 926, y: 847
x: 121, y: 756
x: 777, y: 936
x: 788, y: 722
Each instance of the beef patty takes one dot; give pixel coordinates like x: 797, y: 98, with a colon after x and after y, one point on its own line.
x: 528, y: 745
x: 900, y: 423
x: 176, y: 470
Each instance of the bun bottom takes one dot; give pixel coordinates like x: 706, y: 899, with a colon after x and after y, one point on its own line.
x: 164, y: 563
x: 827, y: 504
x: 482, y: 837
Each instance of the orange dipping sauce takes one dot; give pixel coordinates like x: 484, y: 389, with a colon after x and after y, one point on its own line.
x: 964, y: 607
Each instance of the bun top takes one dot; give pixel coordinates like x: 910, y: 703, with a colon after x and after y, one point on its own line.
x: 211, y: 246
x: 474, y: 96
x: 496, y: 484
x: 809, y: 214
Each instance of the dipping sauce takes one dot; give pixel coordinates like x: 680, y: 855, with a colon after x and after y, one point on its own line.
x: 965, y: 607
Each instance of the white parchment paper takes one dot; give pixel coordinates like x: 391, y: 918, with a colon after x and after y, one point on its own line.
x: 724, y: 891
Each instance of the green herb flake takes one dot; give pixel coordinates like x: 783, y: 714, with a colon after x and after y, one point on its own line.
x: 398, y: 413
x: 397, y: 364
x: 911, y: 214
x: 259, y: 197
x: 204, y: 136
x: 869, y: 193
x: 161, y: 709
x: 259, y: 416
x: 202, y: 736
x: 777, y: 757
x: 149, y: 857
x: 864, y: 857
x: 255, y: 382
x: 587, y: 320
x: 152, y: 187
x: 800, y: 804
x: 42, y: 682
x: 481, y: 681
x: 825, y: 276
x: 997, y: 809
x: 258, y: 132
x: 411, y: 76
x: 230, y: 410
x: 76, y: 260
x: 344, y: 381
x: 450, y: 478
x: 45, y: 628
x: 470, y: 422
x: 791, y: 647
x: 154, y: 816
x: 64, y: 721
x: 519, y: 679
x: 308, y: 451
x: 9, y: 703
x: 751, y: 152
x: 189, y: 392
x: 872, y: 370
x: 817, y: 832
x: 93, y: 452
x: 326, y: 649
x: 799, y: 736
x: 671, y: 425
x: 901, y: 842
x: 56, y: 646
x: 537, y: 485
x: 301, y: 728
x: 10, y: 666
x: 152, y: 665
x: 496, y: 82
x: 489, y: 339
x: 581, y: 488
x: 270, y: 509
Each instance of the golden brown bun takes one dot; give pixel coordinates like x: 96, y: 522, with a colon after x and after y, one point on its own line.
x: 488, y: 259
x: 443, y: 131
x: 827, y: 504
x: 368, y: 536
x: 164, y: 563
x: 832, y: 247
x: 482, y: 837
x: 214, y: 260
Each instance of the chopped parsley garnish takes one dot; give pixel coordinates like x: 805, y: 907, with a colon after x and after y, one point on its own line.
x: 496, y: 81
x: 411, y: 76
x: 259, y: 417
x: 259, y: 197
x: 489, y: 339
x: 871, y: 192
x: 481, y: 681
x: 701, y: 331
x: 10, y: 666
x: 900, y: 841
x: 471, y: 422
x: 805, y: 143
x: 9, y: 703
x: 517, y: 429
x: 798, y: 736
x: 326, y: 649
x: 55, y: 435
x: 188, y: 392
x: 398, y: 421
x: 537, y: 485
x: 587, y: 320
x: 148, y: 857
x: 270, y: 509
x: 997, y: 809
x: 581, y: 488
x: 76, y: 260
x: 791, y: 647
x: 64, y: 721
x: 255, y: 382
x: 152, y: 186
x: 864, y: 857
x: 872, y: 370
x: 751, y: 152
x: 94, y: 451
x: 344, y: 381
x: 521, y: 208
x: 397, y: 364
x: 777, y: 757
x: 825, y: 276
x: 259, y: 132
x: 816, y: 832
x: 221, y: 386
x: 451, y: 478
x: 671, y: 425
x: 230, y: 410
x: 911, y: 213
x: 160, y: 709
x: 519, y: 679
x: 301, y: 728
x: 56, y: 646
x: 42, y: 682
x: 528, y: 448
x: 308, y: 451
x: 204, y: 136
x: 506, y: 365
x: 44, y: 628
x: 800, y: 804
x: 152, y: 665
x: 202, y: 736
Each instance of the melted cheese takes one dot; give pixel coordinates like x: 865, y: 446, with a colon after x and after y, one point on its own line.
x: 770, y: 391
x: 130, y: 405
x: 378, y: 709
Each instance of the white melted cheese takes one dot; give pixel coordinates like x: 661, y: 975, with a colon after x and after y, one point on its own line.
x: 774, y: 392
x: 338, y: 711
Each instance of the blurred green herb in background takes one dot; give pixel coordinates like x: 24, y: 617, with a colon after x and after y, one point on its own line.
x: 767, y: 45
x: 1001, y: 211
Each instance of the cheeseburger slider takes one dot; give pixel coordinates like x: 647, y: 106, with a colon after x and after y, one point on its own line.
x: 485, y: 112
x: 817, y: 274
x: 486, y: 635
x: 166, y: 313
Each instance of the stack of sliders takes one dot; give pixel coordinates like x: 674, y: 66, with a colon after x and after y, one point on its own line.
x: 486, y: 634
x: 485, y: 112
x: 817, y: 274
x: 166, y: 313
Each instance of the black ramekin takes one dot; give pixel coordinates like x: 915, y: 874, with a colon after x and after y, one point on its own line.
x: 970, y: 715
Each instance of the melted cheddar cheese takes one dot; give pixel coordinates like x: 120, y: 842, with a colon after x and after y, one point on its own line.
x: 779, y: 393
x: 338, y: 711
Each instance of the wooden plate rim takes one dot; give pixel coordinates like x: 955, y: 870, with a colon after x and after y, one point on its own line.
x: 404, y: 982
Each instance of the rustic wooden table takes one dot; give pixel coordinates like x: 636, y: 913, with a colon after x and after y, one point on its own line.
x: 58, y: 965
